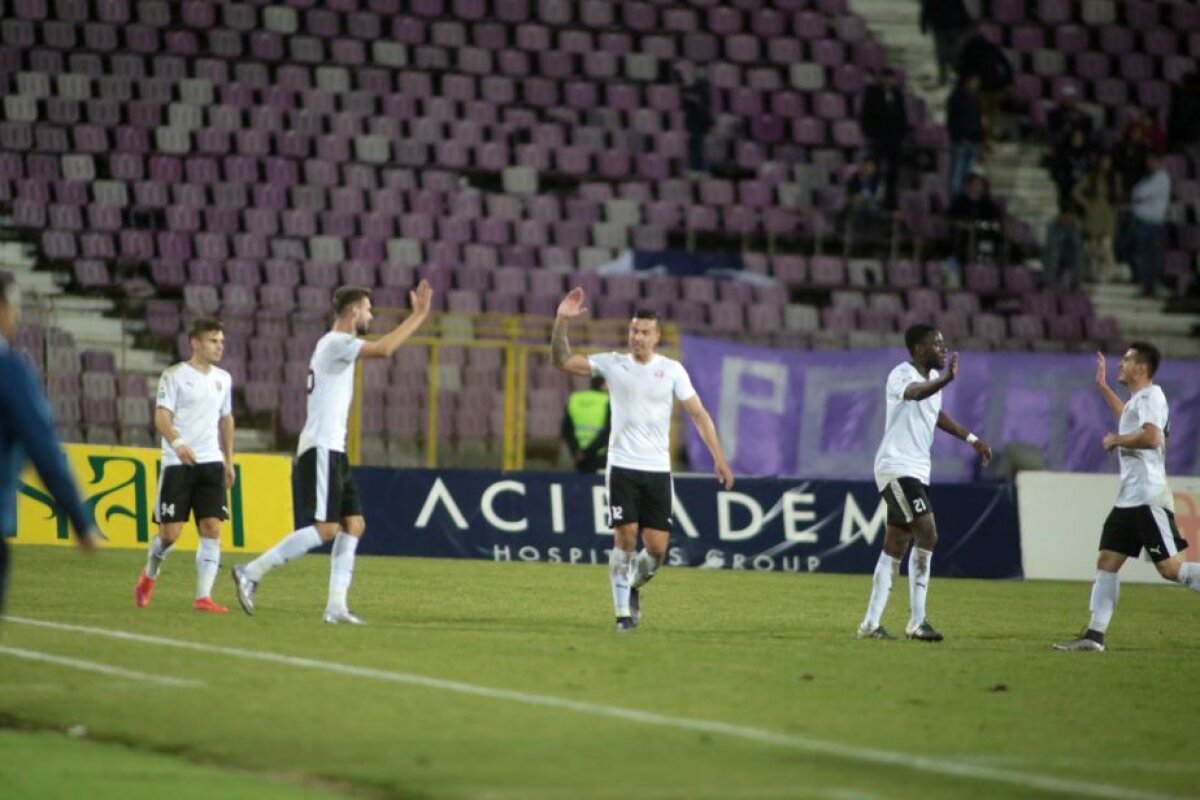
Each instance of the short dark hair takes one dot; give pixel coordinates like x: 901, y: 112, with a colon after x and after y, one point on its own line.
x: 597, y: 383
x: 916, y: 335
x: 1147, y: 354
x: 646, y: 313
x: 203, y: 325
x: 346, y: 296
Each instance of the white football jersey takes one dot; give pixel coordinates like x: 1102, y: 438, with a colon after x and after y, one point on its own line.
x: 908, y: 434
x: 641, y: 398
x: 330, y: 392
x: 197, y: 401
x: 1144, y: 471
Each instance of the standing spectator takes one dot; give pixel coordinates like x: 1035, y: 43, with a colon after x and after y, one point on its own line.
x: 1183, y: 121
x: 964, y: 120
x: 697, y: 114
x: 1129, y: 155
x: 949, y: 20
x: 1098, y: 195
x: 884, y: 122
x: 1148, y: 211
x: 1067, y: 117
x: 586, y: 425
x: 979, y: 56
x: 1063, y: 250
x: 1070, y: 164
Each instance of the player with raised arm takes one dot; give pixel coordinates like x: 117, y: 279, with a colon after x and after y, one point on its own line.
x: 326, y: 492
x: 902, y: 469
x: 194, y: 418
x: 1143, y: 515
x: 642, y: 388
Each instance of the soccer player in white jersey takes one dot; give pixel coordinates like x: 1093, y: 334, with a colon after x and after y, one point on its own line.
x: 642, y: 386
x: 1143, y: 515
x: 194, y: 417
x: 326, y: 493
x: 902, y: 467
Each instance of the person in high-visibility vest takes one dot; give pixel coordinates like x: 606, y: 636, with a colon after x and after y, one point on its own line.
x: 586, y: 425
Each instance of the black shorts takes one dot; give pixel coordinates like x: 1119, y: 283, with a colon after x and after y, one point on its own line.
x: 1128, y: 530
x: 325, y: 490
x: 187, y: 488
x: 906, y: 501
x: 641, y: 497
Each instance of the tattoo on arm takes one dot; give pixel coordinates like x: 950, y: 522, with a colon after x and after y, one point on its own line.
x: 559, y: 349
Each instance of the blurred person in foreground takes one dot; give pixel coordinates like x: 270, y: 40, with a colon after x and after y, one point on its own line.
x: 27, y: 434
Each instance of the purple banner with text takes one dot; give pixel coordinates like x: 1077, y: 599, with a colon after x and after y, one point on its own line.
x: 820, y: 413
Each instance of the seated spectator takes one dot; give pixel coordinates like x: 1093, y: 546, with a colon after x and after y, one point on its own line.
x: 975, y: 218
x: 865, y: 193
x: 1067, y: 117
x: 1098, y: 195
x: 1183, y: 121
x: 1063, y: 251
x: 1069, y: 165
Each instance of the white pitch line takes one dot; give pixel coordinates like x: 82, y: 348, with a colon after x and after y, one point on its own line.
x: 96, y: 666
x: 864, y: 755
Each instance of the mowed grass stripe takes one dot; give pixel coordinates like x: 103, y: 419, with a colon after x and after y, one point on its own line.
x: 812, y: 746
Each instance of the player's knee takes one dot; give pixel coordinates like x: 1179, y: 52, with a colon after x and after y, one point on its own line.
x: 168, y: 535
x: 657, y: 551
x: 356, y: 528
x: 1169, y: 569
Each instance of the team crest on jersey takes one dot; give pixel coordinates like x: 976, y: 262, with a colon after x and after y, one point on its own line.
x: 218, y: 386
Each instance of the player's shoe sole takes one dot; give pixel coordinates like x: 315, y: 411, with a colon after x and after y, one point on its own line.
x: 207, y: 604
x: 923, y: 632
x: 1081, y: 645
x: 143, y: 590
x: 244, y: 588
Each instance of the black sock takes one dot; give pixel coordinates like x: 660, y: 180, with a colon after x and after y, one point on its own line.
x: 1095, y: 636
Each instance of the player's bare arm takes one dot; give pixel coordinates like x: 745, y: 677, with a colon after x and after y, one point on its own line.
x: 226, y: 426
x: 708, y: 433
x: 1148, y: 438
x: 946, y: 422
x: 1110, y: 397
x: 571, y: 307
x: 164, y: 423
x: 421, y: 299
x: 920, y: 391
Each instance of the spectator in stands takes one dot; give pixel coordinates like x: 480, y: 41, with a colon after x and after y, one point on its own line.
x: 1067, y: 117
x: 1129, y: 155
x: 1070, y: 164
x: 1063, y: 250
x: 697, y: 114
x: 1183, y: 122
x: 975, y: 217
x: 884, y: 122
x: 1098, y: 195
x: 980, y: 57
x: 864, y: 197
x: 948, y: 20
x: 964, y: 121
x: 586, y: 425
x: 1148, y: 211
x: 27, y: 434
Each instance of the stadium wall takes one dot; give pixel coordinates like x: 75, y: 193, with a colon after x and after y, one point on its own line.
x: 763, y: 524
x: 119, y: 486
x: 1062, y: 515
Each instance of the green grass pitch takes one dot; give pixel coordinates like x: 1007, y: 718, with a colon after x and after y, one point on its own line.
x: 507, y: 681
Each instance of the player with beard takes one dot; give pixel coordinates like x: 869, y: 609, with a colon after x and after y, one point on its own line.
x: 326, y: 493
x: 902, y: 467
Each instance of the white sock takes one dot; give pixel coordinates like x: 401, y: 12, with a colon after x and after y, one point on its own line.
x: 918, y: 582
x: 294, y: 545
x: 618, y: 575
x: 158, y: 554
x: 208, y: 561
x: 1189, y: 575
x: 885, y: 571
x: 341, y: 570
x: 644, y: 567
x: 1105, y: 592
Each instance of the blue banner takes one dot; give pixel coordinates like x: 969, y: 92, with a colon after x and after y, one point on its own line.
x: 763, y: 524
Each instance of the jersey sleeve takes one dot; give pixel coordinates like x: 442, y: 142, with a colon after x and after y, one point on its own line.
x: 1153, y: 411
x: 227, y: 400
x: 600, y: 363
x: 901, y: 378
x: 344, y: 349
x: 168, y: 391
x: 684, y: 390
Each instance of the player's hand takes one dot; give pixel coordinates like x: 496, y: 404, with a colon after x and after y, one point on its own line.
x: 984, y: 450
x: 421, y: 298
x: 724, y: 474
x: 1110, y: 441
x: 952, y: 369
x: 572, y: 305
x: 1100, y: 378
x: 230, y: 475
x: 186, y: 454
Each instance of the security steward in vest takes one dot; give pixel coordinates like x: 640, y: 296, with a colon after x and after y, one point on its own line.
x: 586, y: 425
